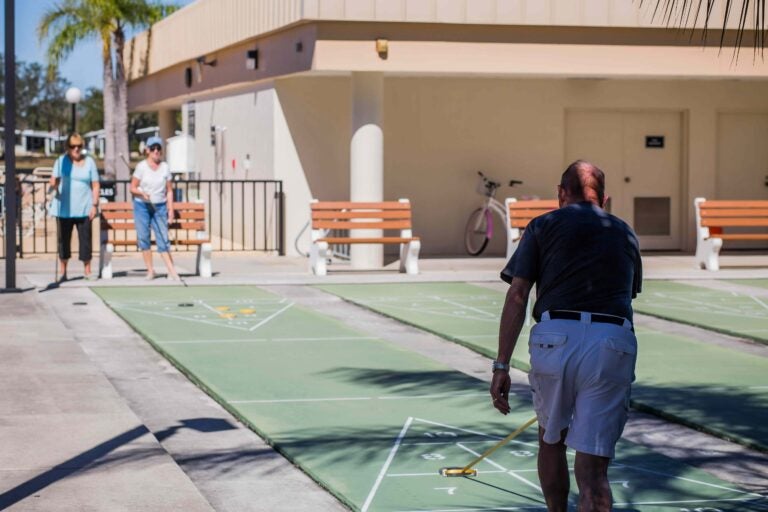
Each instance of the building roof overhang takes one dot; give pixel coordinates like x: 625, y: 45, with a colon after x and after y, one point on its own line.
x: 339, y: 47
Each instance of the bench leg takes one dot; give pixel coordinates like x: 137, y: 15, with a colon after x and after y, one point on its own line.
x: 105, y: 260
x: 409, y: 257
x: 318, y: 253
x: 708, y: 253
x: 204, y: 252
x: 513, y: 240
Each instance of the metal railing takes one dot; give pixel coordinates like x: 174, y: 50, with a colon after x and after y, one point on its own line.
x: 241, y: 215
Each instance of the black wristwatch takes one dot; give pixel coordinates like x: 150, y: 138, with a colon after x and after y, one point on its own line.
x: 498, y: 365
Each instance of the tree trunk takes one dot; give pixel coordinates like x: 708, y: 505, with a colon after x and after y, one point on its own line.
x: 110, y: 169
x: 121, y: 106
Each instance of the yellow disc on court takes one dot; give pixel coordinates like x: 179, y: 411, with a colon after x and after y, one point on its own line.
x: 247, y: 311
x: 221, y: 308
x: 228, y: 316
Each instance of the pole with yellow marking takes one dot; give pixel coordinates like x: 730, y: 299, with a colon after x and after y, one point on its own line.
x: 468, y: 469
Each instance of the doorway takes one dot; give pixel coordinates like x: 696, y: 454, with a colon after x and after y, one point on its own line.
x: 641, y: 155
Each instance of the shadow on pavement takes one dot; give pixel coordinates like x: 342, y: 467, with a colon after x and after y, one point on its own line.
x: 99, y: 456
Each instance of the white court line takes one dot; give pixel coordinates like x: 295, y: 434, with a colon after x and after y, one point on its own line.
x: 493, y: 438
x: 532, y: 507
x: 696, y: 502
x: 759, y: 301
x: 176, y: 302
x: 294, y: 400
x: 477, y: 454
x: 440, y: 395
x: 521, y: 337
x: 205, y: 305
x: 499, y: 466
x: 464, y: 306
x: 270, y: 317
x: 440, y: 443
x: 165, y: 315
x: 385, y: 467
x: 717, y: 307
x: 689, y: 480
x: 433, y: 473
x: 682, y: 308
x: 712, y: 303
x: 539, y: 507
x: 342, y: 399
x: 757, y: 387
x: 424, y: 298
x: 440, y: 313
x: 264, y: 340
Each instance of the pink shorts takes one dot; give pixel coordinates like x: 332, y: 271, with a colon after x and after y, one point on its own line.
x: 581, y: 375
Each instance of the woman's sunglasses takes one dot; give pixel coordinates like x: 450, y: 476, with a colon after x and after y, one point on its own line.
x: 155, y: 147
x: 75, y: 146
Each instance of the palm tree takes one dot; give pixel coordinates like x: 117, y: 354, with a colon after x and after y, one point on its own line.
x: 750, y: 15
x: 72, y: 21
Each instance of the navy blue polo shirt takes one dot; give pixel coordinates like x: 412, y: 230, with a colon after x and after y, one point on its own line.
x: 581, y: 258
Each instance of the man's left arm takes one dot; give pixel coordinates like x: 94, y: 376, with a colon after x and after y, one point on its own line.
x: 512, y: 319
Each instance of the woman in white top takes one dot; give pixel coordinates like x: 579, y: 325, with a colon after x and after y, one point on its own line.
x: 153, y: 206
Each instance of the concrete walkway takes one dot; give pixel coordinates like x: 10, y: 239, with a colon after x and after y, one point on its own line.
x: 91, y: 418
x: 69, y: 439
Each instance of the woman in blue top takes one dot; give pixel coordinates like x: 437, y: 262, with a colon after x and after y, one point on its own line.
x: 76, y: 203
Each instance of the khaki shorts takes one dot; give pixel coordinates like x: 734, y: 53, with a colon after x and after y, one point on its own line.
x: 581, y: 375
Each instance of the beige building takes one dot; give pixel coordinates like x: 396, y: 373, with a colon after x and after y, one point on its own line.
x: 381, y: 99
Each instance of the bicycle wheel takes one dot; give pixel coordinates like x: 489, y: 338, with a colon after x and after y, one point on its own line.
x: 476, y: 232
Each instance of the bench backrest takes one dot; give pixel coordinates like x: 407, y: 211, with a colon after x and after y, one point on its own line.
x: 347, y: 215
x: 714, y: 215
x: 118, y: 216
x: 520, y: 213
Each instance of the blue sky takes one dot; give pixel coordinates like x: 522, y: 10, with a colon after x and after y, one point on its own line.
x: 82, y: 68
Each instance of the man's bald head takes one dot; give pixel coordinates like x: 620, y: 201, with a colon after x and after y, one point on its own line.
x: 582, y: 181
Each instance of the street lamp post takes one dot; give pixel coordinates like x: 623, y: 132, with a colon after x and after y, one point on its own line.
x: 73, y: 96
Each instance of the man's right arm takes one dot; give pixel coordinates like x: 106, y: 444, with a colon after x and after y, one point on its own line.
x: 512, y: 319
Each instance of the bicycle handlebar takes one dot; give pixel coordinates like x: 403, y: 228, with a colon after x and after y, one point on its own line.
x: 512, y: 183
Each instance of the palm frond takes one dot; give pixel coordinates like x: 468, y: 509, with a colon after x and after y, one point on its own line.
x: 66, y: 24
x: 706, y: 16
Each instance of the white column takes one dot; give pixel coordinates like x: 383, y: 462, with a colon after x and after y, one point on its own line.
x: 165, y: 121
x: 366, y: 173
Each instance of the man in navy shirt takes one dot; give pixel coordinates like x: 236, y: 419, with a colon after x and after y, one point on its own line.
x: 586, y: 266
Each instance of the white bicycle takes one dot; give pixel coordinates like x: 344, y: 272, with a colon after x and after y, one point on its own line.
x: 479, y: 230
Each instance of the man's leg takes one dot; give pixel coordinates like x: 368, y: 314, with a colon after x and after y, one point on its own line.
x: 592, y: 479
x: 553, y: 472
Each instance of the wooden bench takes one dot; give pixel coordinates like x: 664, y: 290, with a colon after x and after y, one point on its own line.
x: 188, y: 228
x: 328, y: 216
x: 713, y: 217
x: 520, y: 213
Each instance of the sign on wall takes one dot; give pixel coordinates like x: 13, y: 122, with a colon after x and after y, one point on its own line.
x: 654, y: 141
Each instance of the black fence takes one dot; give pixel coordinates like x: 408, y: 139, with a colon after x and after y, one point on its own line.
x: 241, y: 215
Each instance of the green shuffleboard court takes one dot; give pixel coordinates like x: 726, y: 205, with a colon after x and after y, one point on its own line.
x: 373, y: 422
x: 708, y: 387
x: 759, y: 283
x: 733, y: 313
x: 460, y: 312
